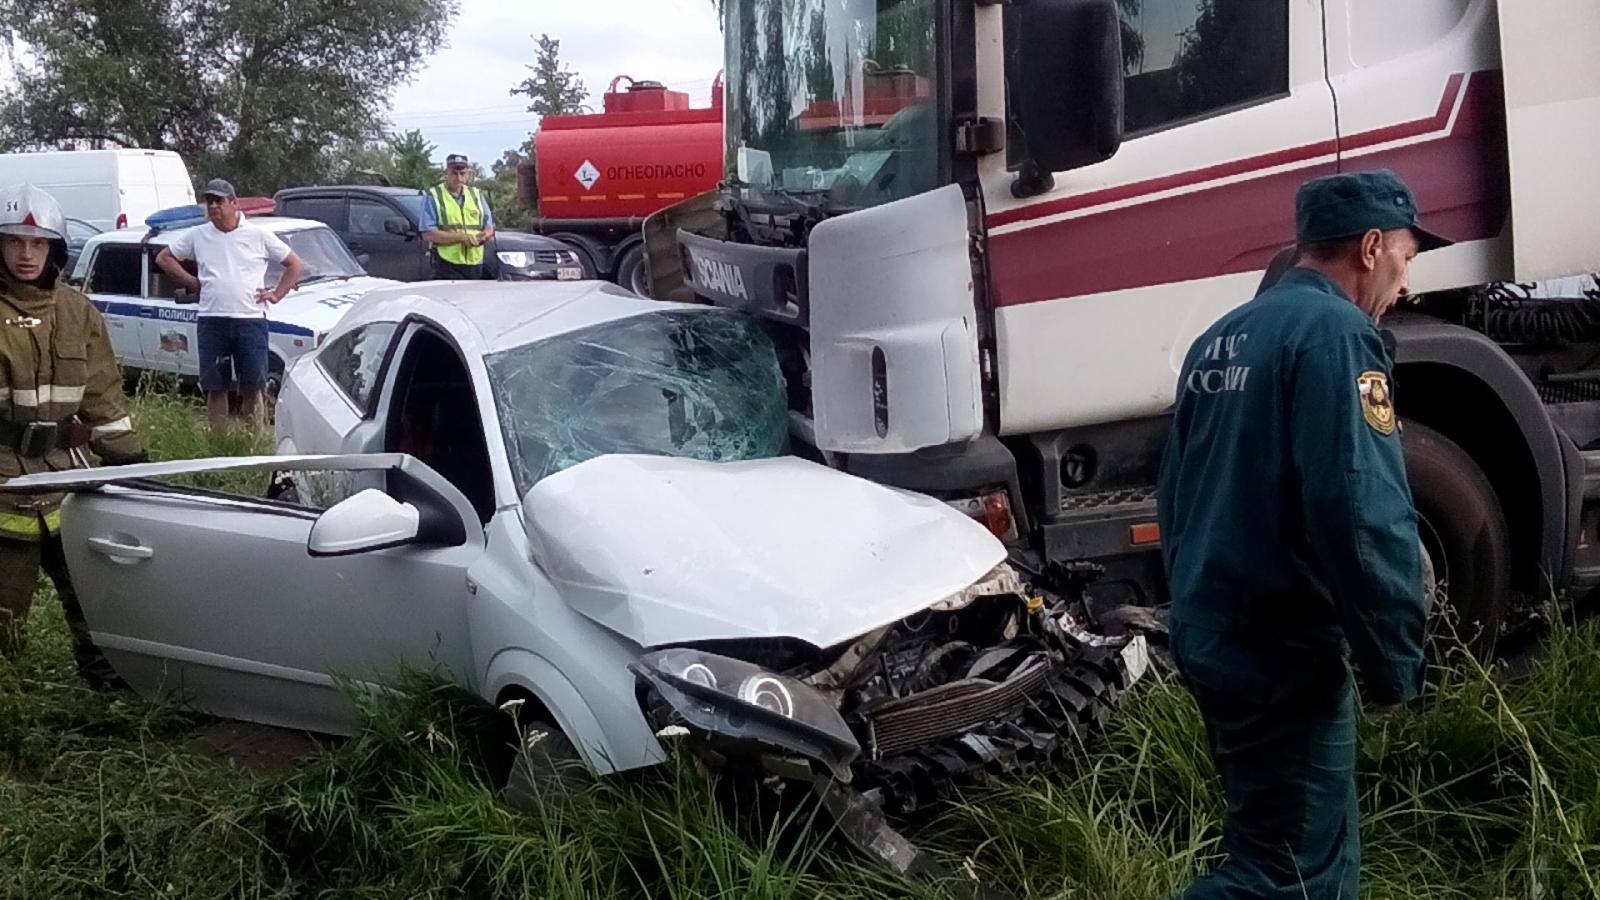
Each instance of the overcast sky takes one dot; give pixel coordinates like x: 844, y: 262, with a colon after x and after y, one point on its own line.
x: 460, y: 100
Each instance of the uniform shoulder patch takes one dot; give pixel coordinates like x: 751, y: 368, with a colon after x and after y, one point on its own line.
x: 1377, y: 401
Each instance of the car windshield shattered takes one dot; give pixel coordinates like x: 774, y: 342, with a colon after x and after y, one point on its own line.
x: 689, y: 383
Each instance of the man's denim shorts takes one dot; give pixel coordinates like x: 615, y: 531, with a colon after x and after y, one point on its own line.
x: 243, y: 342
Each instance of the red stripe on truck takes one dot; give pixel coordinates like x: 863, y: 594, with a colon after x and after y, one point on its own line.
x: 1414, y: 128
x: 1460, y: 179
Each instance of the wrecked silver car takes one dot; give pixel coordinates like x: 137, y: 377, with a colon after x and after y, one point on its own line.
x: 582, y: 500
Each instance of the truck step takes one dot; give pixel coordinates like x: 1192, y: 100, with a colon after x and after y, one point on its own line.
x: 1591, y: 474
x: 1107, y: 501
x: 1557, y: 392
x: 1103, y: 524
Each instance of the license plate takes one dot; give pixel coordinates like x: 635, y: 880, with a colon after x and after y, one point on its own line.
x: 569, y: 273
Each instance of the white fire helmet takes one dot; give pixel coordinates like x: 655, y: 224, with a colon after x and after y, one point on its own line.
x: 30, y: 212
x: 25, y: 210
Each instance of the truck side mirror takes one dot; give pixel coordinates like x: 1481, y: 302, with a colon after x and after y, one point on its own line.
x: 1064, y: 65
x: 397, y: 226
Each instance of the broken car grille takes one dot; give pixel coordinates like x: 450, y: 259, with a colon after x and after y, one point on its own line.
x: 1073, y: 698
x: 949, y: 709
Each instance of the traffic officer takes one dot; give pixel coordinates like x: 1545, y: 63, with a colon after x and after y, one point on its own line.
x: 1290, y: 539
x: 60, y: 391
x: 457, y: 221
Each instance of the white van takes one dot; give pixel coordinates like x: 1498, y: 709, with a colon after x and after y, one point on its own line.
x: 109, y: 189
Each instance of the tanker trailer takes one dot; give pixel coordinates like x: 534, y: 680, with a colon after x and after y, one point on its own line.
x: 597, y: 176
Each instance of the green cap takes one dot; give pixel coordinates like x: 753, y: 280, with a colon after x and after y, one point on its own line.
x: 1346, y: 205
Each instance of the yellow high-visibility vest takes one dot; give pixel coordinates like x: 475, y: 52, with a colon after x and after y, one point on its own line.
x: 466, y: 217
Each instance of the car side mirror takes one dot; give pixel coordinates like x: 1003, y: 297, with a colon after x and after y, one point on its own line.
x: 397, y: 226
x: 369, y: 520
x: 363, y: 258
x: 1064, y: 69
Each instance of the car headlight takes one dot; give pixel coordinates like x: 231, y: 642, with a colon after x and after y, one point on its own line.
x: 516, y: 259
x: 741, y: 700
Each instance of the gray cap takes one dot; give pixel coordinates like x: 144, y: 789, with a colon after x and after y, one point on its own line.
x: 218, y: 187
x: 456, y: 161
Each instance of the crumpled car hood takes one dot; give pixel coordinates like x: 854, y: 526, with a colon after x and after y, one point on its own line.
x: 668, y: 551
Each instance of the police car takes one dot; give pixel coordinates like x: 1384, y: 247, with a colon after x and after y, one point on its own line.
x: 152, y: 320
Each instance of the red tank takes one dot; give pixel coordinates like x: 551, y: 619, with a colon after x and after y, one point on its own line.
x: 647, y: 150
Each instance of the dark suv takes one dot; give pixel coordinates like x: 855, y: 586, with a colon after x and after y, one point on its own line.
x: 380, y: 226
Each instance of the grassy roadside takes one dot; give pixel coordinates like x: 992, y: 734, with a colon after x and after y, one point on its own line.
x: 1491, y: 791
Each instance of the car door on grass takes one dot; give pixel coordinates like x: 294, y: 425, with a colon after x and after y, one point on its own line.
x: 216, y: 600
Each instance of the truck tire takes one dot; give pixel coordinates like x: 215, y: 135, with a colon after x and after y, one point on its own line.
x: 630, y: 271
x: 1464, y: 535
x: 591, y: 269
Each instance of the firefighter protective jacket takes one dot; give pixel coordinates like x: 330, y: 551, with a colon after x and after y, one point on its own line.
x: 56, y: 362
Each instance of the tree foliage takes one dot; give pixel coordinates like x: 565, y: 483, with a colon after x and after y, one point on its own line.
x: 1222, y: 58
x: 255, y: 90
x: 553, y: 89
x: 413, y: 161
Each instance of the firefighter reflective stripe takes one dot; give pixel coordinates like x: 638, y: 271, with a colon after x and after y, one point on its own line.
x: 45, y: 393
x: 120, y: 426
x: 465, y: 216
x: 26, y: 525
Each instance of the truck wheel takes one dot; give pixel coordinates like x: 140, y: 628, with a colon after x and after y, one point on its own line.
x: 630, y: 272
x: 591, y: 270
x: 1464, y: 537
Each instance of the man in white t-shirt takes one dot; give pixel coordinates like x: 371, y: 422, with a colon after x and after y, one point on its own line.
x: 232, y: 256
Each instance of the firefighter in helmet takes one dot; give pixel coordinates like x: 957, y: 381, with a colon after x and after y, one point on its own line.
x: 60, y: 393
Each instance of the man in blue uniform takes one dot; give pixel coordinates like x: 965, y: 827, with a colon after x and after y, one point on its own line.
x: 1290, y: 539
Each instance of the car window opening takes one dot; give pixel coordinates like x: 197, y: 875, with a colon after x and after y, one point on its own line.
x: 437, y: 420
x: 162, y: 285
x: 116, y: 270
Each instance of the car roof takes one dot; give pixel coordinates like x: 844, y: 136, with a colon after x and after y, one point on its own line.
x: 388, y: 190
x: 133, y: 235
x: 507, y: 314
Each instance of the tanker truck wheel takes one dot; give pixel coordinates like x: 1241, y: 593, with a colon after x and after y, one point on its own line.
x: 1464, y: 537
x: 630, y: 272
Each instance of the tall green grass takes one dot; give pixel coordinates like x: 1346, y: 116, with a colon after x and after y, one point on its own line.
x: 173, y: 425
x: 1490, y: 790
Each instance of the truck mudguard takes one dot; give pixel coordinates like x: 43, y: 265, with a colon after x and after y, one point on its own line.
x: 1423, y: 339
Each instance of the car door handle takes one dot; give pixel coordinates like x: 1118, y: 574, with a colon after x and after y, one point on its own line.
x: 115, y: 550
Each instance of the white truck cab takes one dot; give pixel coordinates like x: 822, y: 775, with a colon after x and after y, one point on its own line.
x: 993, y: 229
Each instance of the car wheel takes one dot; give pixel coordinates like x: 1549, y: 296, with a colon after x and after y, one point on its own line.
x: 631, y: 273
x: 1465, y: 541
x: 274, y: 379
x: 546, y: 761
